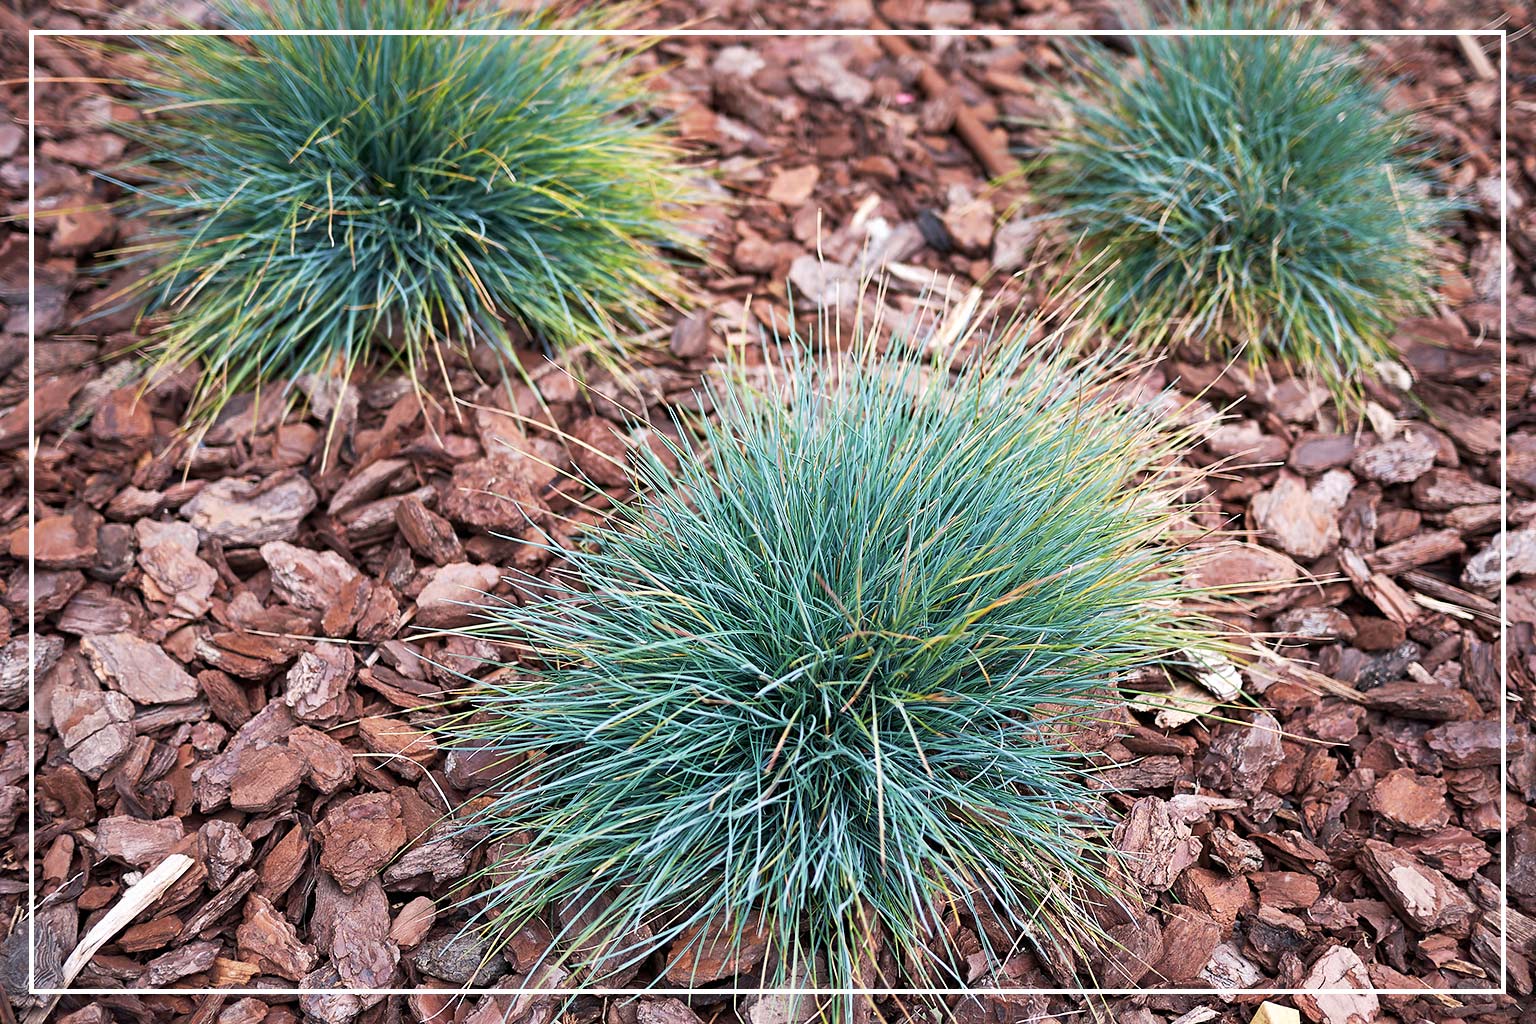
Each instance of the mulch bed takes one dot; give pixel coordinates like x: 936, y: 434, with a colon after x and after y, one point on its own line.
x: 185, y: 704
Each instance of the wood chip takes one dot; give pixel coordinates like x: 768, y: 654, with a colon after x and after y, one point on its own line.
x: 134, y: 901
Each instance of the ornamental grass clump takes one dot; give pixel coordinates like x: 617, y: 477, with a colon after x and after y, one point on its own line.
x: 313, y: 202
x: 1248, y: 191
x: 814, y: 689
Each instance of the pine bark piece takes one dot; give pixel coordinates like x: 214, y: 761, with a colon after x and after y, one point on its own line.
x: 48, y: 591
x: 1474, y: 744
x: 1303, y: 522
x: 708, y: 951
x: 284, y: 863
x: 1378, y: 589
x: 1155, y: 846
x: 461, y: 956
x: 1229, y: 970
x: 1433, y: 586
x: 222, y: 902
x: 172, y: 575
x: 451, y: 597
x: 364, y: 485
x: 249, y: 1010
x: 328, y: 766
x: 1131, y: 953
x: 1338, y: 968
x: 226, y: 698
x: 1411, y: 802
x: 1420, y: 549
x: 471, y: 768
x: 1235, y: 853
x: 1445, y: 489
x: 229, y: 973
x: 1419, y: 701
x: 269, y: 941
x: 486, y: 494
x: 357, y: 938
x: 1316, y: 625
x: 156, y: 934
x: 1399, y: 461
x: 1422, y: 896
x: 93, y: 612
x: 375, y: 521
x: 1455, y: 851
x: 139, y: 669
x: 1220, y: 897
x: 211, y: 779
x: 1505, y: 555
x: 691, y: 336
x: 317, y: 683
x: 223, y: 850
x: 443, y: 858
x: 1241, y: 757
x: 413, y: 922
x: 96, y: 727
x: 339, y: 619
x: 307, y: 579
x: 665, y: 1010
x: 1479, y: 435
x: 21, y: 655
x: 60, y: 542
x: 1314, y: 454
x: 137, y: 841
x: 265, y: 779
x: 1285, y: 890
x: 358, y: 837
x: 321, y: 1007
x: 379, y: 619
x: 429, y: 534
x: 1189, y: 939
x: 193, y: 958
x: 248, y: 512
x: 409, y: 751
x: 792, y: 186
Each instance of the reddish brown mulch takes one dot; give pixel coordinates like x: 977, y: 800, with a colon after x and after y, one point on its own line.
x: 184, y: 707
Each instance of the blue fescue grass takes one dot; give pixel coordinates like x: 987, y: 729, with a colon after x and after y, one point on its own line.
x: 1248, y: 191
x: 822, y: 671
x: 316, y: 202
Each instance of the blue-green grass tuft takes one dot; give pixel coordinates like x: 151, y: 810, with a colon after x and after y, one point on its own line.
x: 823, y: 672
x: 313, y: 203
x: 1248, y: 191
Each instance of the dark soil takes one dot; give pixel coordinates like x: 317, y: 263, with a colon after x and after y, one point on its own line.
x: 185, y: 706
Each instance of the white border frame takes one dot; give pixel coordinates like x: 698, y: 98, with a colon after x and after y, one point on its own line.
x: 1227, y: 995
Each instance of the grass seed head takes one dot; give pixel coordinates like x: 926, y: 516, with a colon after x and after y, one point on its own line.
x: 312, y: 202
x: 822, y: 672
x: 1248, y: 190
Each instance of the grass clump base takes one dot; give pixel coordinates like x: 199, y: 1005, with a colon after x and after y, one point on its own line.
x: 313, y: 202
x: 811, y: 689
x: 1248, y: 191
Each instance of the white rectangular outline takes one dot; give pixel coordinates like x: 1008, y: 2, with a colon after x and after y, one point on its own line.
x: 1227, y: 995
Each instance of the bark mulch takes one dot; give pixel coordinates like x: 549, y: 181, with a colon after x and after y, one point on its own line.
x: 187, y: 703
